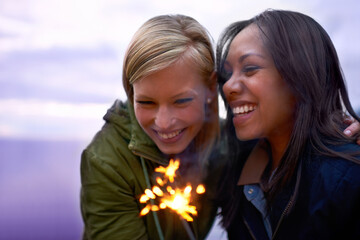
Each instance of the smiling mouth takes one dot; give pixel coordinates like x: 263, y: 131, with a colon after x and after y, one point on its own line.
x: 167, y: 136
x: 244, y: 109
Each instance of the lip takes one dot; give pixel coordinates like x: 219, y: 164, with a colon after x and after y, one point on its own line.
x: 172, y: 139
x: 241, y: 118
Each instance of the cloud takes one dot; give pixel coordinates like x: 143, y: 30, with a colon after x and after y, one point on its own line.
x: 50, y: 120
x: 62, y: 74
x: 340, y: 21
x: 67, y: 55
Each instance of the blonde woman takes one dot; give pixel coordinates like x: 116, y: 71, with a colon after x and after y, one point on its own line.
x: 171, y: 113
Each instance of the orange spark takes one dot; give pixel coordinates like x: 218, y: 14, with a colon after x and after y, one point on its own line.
x: 158, y: 191
x: 174, y: 198
x: 170, y: 170
x: 144, y: 198
x: 155, y: 208
x: 160, y: 181
x: 170, y: 190
x: 200, y: 189
x: 188, y: 189
x: 145, y: 210
x: 179, y: 202
x: 149, y: 193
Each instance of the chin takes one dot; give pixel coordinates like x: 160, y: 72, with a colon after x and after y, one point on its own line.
x: 171, y: 151
x: 244, y: 137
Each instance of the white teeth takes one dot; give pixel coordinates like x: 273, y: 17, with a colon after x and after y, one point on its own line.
x: 243, y: 109
x: 169, y: 135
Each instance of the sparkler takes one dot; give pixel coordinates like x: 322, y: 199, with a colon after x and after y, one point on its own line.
x: 177, y: 199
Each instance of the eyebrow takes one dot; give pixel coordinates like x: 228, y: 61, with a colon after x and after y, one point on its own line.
x: 190, y: 92
x: 141, y: 96
x: 243, y: 57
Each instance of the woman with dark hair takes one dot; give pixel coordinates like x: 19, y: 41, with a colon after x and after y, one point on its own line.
x: 293, y: 174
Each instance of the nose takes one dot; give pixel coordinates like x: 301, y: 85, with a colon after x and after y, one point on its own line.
x: 233, y: 86
x: 164, y: 118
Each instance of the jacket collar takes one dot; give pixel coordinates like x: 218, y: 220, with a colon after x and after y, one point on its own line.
x: 255, y: 164
x: 141, y: 144
x: 251, y: 174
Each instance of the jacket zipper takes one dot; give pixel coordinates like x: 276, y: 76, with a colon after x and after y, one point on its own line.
x: 282, y: 217
x: 286, y: 210
x: 290, y: 203
x: 248, y: 227
x: 277, y: 228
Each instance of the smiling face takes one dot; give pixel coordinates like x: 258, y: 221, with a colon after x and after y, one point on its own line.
x: 262, y: 104
x: 170, y: 105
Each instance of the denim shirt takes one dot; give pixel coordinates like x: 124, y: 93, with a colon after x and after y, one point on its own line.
x: 255, y: 195
x: 250, y: 179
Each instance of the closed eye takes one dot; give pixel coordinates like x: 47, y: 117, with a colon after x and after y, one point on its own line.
x: 183, y: 100
x: 145, y: 102
x: 250, y: 69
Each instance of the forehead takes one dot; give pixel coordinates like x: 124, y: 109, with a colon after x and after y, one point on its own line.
x: 246, y: 40
x: 176, y: 78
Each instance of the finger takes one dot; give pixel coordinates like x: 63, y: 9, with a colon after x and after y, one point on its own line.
x: 352, y: 129
x: 348, y: 120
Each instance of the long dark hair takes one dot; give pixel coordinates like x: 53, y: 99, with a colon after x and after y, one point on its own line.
x: 306, y: 58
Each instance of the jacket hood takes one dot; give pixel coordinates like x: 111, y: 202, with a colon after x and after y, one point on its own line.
x: 122, y: 116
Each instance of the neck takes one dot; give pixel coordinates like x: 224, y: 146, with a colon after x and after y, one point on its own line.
x: 278, y: 148
x: 276, y: 157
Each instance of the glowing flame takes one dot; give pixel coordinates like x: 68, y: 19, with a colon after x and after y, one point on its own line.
x: 155, y: 208
x: 145, y: 210
x: 158, y: 191
x: 169, y: 171
x: 149, y: 193
x: 179, y: 202
x: 188, y: 189
x: 170, y: 190
x: 144, y: 198
x: 174, y: 198
x: 160, y: 181
x: 200, y: 189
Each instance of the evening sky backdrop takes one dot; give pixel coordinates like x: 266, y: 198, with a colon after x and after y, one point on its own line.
x: 60, y: 70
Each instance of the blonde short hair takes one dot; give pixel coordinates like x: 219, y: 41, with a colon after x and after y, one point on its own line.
x: 160, y: 42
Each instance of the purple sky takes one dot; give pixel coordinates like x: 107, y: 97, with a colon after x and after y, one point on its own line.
x: 60, y: 69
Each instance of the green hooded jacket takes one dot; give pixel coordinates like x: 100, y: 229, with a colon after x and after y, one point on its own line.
x: 113, y: 180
